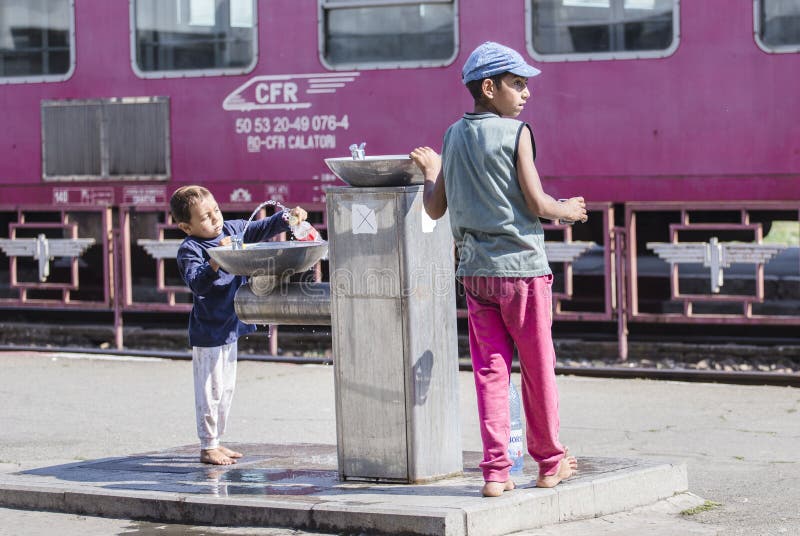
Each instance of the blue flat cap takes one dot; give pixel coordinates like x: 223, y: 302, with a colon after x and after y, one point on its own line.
x: 493, y: 58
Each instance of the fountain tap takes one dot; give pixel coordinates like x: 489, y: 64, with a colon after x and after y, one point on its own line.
x: 358, y: 151
x: 237, y: 242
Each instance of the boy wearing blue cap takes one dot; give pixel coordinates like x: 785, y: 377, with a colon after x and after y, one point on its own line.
x: 487, y: 179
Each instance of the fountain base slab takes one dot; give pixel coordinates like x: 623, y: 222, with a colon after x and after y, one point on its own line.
x: 297, y: 486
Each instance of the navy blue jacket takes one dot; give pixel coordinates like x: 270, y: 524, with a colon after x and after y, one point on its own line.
x: 213, y: 320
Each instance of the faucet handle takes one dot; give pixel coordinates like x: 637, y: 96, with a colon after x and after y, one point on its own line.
x: 358, y: 151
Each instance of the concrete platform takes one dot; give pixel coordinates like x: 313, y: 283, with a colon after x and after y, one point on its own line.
x: 297, y: 486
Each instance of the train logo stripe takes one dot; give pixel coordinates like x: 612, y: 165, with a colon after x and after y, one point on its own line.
x: 284, y: 91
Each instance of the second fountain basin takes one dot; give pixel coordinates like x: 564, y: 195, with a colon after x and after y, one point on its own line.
x: 380, y: 171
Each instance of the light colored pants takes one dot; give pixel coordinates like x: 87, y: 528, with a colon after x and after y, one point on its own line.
x: 214, y: 381
x: 504, y: 312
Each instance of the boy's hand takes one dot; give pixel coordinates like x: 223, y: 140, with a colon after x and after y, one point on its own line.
x: 428, y: 161
x: 224, y: 241
x: 296, y: 215
x: 577, y: 209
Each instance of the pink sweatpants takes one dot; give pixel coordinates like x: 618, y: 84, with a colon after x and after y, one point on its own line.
x: 504, y: 312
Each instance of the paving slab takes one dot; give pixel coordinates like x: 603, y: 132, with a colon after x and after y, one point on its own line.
x: 298, y: 486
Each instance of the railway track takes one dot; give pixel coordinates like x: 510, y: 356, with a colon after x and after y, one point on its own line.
x: 789, y: 379
x: 687, y: 375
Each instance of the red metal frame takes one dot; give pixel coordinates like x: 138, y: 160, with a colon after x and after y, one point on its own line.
x: 688, y: 316
x: 66, y: 299
x: 620, y: 267
x: 64, y: 287
x: 560, y: 298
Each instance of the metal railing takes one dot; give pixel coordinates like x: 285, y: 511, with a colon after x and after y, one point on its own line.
x: 701, y: 263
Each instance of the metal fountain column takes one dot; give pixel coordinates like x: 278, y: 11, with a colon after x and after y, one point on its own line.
x: 391, y: 305
x: 394, y: 336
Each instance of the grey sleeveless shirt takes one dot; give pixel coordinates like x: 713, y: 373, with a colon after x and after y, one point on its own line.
x: 495, y: 233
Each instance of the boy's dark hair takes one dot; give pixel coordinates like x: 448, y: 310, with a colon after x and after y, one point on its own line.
x: 182, y: 201
x: 475, y: 87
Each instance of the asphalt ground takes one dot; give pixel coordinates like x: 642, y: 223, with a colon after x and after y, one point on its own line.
x: 739, y: 441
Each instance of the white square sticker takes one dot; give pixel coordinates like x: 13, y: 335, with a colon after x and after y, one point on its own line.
x: 363, y: 220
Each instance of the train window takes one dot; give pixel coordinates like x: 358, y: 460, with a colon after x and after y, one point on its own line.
x: 109, y: 139
x: 560, y: 30
x: 193, y: 37
x: 368, y: 34
x: 777, y: 25
x: 37, y: 40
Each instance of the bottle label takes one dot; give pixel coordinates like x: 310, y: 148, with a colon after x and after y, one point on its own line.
x: 305, y: 233
x: 515, y: 445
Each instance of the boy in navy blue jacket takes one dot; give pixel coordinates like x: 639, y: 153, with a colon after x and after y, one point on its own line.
x: 213, y: 325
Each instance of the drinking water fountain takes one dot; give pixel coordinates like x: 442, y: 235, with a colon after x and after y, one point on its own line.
x: 391, y: 306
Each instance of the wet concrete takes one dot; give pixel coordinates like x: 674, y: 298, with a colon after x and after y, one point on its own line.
x: 298, y: 486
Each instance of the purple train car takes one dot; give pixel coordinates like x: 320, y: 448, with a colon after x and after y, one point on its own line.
x: 666, y: 110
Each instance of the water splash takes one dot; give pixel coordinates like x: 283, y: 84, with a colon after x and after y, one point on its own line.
x: 237, y: 242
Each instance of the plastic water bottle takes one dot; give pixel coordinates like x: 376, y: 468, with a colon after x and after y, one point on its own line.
x: 302, y: 230
x: 515, y: 451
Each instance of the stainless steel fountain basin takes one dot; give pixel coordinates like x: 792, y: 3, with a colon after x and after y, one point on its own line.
x: 384, y: 170
x: 278, y: 259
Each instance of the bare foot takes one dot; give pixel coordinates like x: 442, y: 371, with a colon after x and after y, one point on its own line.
x: 495, y: 489
x: 230, y: 453
x: 215, y: 457
x: 567, y: 467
